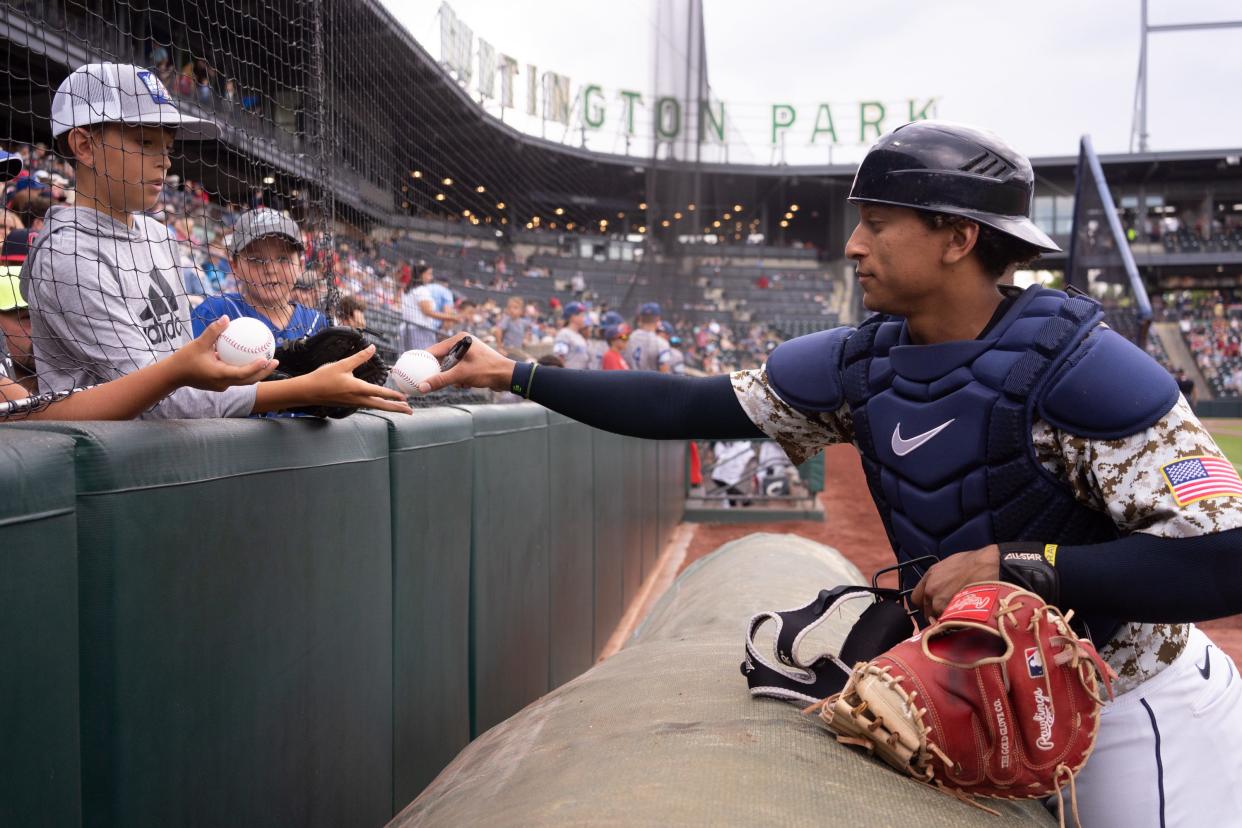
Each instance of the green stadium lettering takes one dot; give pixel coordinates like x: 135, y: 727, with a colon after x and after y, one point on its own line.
x: 824, y: 116
x: 783, y: 117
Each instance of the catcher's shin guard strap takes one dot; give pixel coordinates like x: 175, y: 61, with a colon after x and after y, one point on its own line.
x: 786, y: 676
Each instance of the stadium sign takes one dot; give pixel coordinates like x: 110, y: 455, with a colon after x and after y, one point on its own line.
x: 550, y: 98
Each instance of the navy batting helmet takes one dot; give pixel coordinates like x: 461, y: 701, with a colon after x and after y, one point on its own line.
x: 955, y: 169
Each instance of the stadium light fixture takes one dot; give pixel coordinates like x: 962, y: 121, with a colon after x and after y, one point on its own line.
x: 793, y: 208
x: 439, y: 196
x: 500, y: 205
x: 737, y: 208
x: 677, y: 215
x: 504, y: 221
x: 784, y: 223
x: 642, y: 205
x: 269, y: 179
x: 664, y: 223
x: 727, y: 216
x: 499, y: 234
x: 789, y: 215
x: 716, y: 223
x: 466, y: 213
x: 620, y: 215
x: 530, y: 226
x: 642, y: 229
x: 448, y: 182
x: 480, y: 189
x: 691, y: 207
x: 416, y: 173
x: 560, y: 211
x: 569, y: 226
x: 552, y: 225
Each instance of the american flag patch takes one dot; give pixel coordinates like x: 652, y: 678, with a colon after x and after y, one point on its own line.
x: 1197, y: 478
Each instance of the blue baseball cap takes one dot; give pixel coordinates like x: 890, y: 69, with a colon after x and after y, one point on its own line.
x: 649, y: 309
x: 612, y: 318
x: 10, y: 165
x: 614, y: 331
x: 667, y: 327
x: 573, y: 309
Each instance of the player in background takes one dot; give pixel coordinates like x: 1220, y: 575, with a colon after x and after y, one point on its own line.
x: 675, y: 358
x: 570, y: 345
x: 265, y: 251
x: 101, y: 281
x: 614, y: 359
x: 596, y: 344
x: 1009, y: 434
x: 647, y: 350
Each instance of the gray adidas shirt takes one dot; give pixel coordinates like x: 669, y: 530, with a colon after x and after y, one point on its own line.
x: 105, y: 300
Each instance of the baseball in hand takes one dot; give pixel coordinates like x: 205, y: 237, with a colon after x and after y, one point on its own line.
x: 412, y: 368
x: 244, y: 341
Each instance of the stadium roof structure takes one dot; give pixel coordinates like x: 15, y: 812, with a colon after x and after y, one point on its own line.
x: 395, y: 111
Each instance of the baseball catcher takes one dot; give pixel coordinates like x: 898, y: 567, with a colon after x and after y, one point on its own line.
x: 308, y: 354
x: 994, y: 422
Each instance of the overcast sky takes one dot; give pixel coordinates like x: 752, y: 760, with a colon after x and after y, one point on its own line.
x: 1039, y: 73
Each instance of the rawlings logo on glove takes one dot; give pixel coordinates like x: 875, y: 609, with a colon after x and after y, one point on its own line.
x: 999, y: 698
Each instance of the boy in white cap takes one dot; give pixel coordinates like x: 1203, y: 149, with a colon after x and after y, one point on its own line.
x: 101, y: 280
x: 266, y: 254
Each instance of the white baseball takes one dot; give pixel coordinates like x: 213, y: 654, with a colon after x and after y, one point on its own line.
x: 244, y: 341
x: 412, y: 368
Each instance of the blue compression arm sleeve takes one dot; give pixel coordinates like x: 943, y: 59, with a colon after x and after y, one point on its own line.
x: 1155, y: 580
x: 640, y: 403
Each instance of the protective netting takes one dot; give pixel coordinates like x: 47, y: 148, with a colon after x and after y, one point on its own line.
x: 1100, y: 261
x: 308, y: 163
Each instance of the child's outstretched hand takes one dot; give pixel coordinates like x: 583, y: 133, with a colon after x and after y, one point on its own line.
x: 197, y: 366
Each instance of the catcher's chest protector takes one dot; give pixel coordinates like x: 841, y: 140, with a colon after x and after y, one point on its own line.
x: 945, y: 430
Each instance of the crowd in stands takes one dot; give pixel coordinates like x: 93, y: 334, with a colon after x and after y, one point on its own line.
x: 1210, y: 323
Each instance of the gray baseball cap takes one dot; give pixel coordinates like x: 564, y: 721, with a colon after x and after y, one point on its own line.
x: 108, y: 93
x: 260, y: 223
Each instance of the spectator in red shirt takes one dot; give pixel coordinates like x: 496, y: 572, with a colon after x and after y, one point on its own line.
x: 615, y: 336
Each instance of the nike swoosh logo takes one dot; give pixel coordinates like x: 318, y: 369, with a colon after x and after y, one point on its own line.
x: 1206, y: 669
x: 902, y: 447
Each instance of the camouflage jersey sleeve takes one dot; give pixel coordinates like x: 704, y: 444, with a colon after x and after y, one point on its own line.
x: 1128, y: 479
x: 800, y: 434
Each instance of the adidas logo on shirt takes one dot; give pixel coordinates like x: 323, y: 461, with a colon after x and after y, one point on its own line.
x: 161, y: 302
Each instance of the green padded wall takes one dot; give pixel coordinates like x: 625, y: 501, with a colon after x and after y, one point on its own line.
x: 610, y: 533
x: 672, y: 475
x: 571, y: 500
x: 650, y: 493
x: 629, y: 487
x: 509, y: 661
x: 39, y: 757
x: 431, y: 470
x: 235, y: 622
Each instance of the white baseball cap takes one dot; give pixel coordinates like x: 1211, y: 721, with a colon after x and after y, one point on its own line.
x: 106, y: 93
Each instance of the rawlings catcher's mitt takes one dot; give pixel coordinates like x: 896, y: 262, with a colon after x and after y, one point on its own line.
x: 999, y: 698
x: 303, y: 356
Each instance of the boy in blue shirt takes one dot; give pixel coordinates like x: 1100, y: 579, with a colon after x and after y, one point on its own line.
x: 265, y: 252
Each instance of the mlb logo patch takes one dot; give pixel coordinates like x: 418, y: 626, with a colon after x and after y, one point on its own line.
x: 1034, y: 664
x: 973, y: 604
x: 158, y: 93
